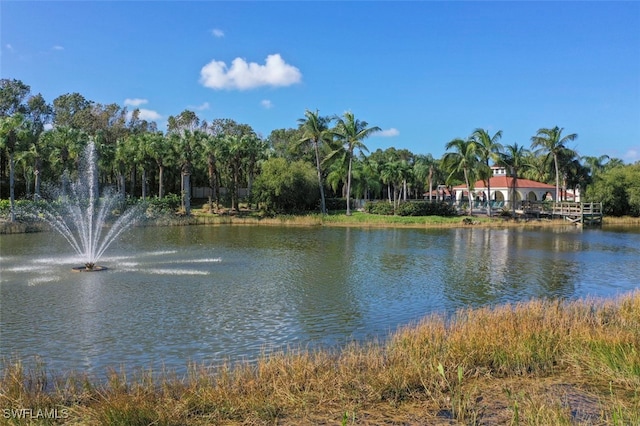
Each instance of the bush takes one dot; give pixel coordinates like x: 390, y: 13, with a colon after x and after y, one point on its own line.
x: 168, y: 204
x: 618, y: 189
x: 412, y: 208
x: 26, y: 210
x: 337, y: 203
x: 5, y: 208
x: 287, y: 187
x: 425, y: 208
x: 380, y: 207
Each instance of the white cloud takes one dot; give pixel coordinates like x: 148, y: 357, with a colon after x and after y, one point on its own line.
x: 9, y: 47
x: 135, y: 102
x: 266, y: 103
x: 201, y: 107
x: 149, y: 115
x: 242, y: 75
x: 57, y: 47
x: 632, y: 155
x: 389, y: 133
x: 217, y: 33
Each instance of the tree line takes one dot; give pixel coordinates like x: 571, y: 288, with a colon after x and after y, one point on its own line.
x: 301, y: 168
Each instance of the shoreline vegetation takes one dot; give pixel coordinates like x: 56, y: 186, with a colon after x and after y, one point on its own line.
x: 356, y: 219
x: 541, y: 362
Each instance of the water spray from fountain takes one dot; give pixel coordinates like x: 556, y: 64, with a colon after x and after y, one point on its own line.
x: 80, y: 213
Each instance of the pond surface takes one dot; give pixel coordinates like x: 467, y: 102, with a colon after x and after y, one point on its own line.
x: 205, y: 294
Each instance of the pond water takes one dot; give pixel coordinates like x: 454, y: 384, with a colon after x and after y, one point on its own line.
x: 205, y: 294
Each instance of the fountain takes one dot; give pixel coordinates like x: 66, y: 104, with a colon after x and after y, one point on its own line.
x: 80, y: 214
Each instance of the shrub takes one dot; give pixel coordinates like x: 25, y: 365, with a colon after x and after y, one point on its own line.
x: 337, y: 203
x: 412, y: 208
x: 287, y: 186
x: 168, y: 204
x: 5, y: 207
x: 425, y: 208
x: 380, y: 207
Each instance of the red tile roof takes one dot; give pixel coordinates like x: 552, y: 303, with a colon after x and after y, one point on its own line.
x: 498, y: 182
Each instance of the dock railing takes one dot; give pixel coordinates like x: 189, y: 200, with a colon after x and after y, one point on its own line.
x: 584, y: 213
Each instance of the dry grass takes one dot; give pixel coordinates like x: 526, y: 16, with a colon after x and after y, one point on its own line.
x: 534, y: 363
x: 360, y: 219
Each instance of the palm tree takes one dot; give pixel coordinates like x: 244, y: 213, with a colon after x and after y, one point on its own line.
x: 316, y: 131
x: 424, y: 170
x: 210, y: 148
x: 255, y: 152
x: 12, y: 129
x: 124, y: 160
x: 515, y: 158
x: 552, y: 143
x: 143, y: 157
x: 31, y: 157
x: 371, y: 177
x: 336, y: 166
x: 595, y: 164
x: 39, y: 151
x: 160, y: 149
x: 350, y: 132
x: 463, y: 159
x: 183, y: 133
x: 391, y: 174
x: 538, y: 168
x: 236, y: 153
x: 488, y: 149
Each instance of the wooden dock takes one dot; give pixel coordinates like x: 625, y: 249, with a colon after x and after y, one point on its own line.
x: 579, y: 213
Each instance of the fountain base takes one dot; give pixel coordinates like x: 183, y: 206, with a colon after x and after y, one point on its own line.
x: 86, y: 269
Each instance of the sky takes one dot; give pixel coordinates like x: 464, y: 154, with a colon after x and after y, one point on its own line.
x: 425, y: 72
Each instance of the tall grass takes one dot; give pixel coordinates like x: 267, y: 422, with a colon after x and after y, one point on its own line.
x: 539, y: 362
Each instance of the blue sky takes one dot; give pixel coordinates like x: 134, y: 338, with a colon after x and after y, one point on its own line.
x: 425, y: 72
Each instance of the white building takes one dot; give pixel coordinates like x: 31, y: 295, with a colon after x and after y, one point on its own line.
x: 502, y: 188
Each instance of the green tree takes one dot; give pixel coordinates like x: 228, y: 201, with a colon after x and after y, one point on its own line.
x: 161, y: 151
x: 618, y: 189
x: 65, y: 147
x: 350, y: 132
x: 424, y: 170
x: 235, y: 154
x: 13, y: 100
x: 394, y: 172
x: 12, y: 131
x: 31, y: 156
x: 552, y: 143
x: 488, y: 149
x: 285, y: 186
x: 183, y: 132
x: 462, y: 158
x: 13, y: 96
x: 73, y: 110
x: 515, y: 159
x: 315, y: 131
x: 254, y: 150
x: 336, y: 166
x: 125, y: 162
x: 595, y: 164
x: 284, y: 143
x: 210, y: 147
x: 371, y: 178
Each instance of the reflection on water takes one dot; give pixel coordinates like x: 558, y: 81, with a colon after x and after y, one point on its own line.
x: 205, y: 294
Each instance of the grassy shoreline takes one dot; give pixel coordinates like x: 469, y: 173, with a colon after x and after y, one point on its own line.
x: 360, y: 219
x: 337, y: 219
x: 538, y: 362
